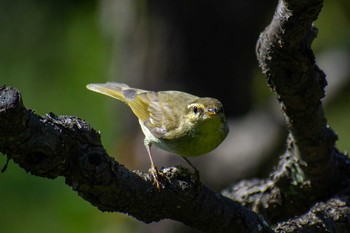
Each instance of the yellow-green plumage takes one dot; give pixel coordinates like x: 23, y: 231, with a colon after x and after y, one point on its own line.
x: 172, y: 120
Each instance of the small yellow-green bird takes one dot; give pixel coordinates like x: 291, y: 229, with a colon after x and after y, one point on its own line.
x: 172, y: 120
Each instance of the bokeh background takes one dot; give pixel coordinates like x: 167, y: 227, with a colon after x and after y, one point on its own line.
x: 50, y: 50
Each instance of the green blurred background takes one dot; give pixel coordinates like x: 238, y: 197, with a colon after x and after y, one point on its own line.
x: 50, y: 50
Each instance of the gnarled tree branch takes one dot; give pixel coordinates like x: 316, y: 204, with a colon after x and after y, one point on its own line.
x: 312, y: 169
x: 285, y: 56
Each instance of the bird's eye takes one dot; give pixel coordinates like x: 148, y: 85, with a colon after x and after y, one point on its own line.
x: 195, y: 109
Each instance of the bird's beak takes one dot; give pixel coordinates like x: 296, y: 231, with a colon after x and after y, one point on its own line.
x: 211, y: 111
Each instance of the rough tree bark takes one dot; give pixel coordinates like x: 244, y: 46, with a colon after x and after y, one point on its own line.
x: 311, y: 179
x: 307, y: 192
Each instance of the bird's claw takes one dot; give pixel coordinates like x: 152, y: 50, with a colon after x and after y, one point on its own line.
x: 155, y: 174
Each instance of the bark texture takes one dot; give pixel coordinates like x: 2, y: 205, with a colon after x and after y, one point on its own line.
x: 312, y: 173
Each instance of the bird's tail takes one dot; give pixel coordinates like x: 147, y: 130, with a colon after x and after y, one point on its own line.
x: 119, y: 91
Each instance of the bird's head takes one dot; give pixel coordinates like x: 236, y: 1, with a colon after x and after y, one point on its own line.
x: 205, y: 108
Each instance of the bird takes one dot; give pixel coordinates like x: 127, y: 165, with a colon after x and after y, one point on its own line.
x: 174, y: 121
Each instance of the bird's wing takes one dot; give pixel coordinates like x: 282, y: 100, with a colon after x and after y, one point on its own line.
x: 146, y: 106
x: 161, y: 111
x: 128, y: 95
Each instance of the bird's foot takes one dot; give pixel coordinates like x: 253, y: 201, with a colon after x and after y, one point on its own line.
x: 155, y: 174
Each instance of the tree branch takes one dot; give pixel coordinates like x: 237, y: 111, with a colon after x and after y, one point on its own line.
x: 53, y: 146
x: 285, y: 56
x: 330, y: 216
x: 312, y: 169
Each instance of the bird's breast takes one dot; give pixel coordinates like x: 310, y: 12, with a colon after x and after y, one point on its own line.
x: 200, y: 139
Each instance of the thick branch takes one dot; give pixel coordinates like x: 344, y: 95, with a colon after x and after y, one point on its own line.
x: 53, y: 146
x: 285, y: 56
x: 311, y: 169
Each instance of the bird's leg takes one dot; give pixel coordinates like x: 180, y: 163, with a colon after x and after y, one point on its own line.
x: 154, y: 170
x: 196, y: 172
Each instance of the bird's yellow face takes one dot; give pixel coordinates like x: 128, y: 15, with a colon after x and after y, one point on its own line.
x: 203, y: 109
